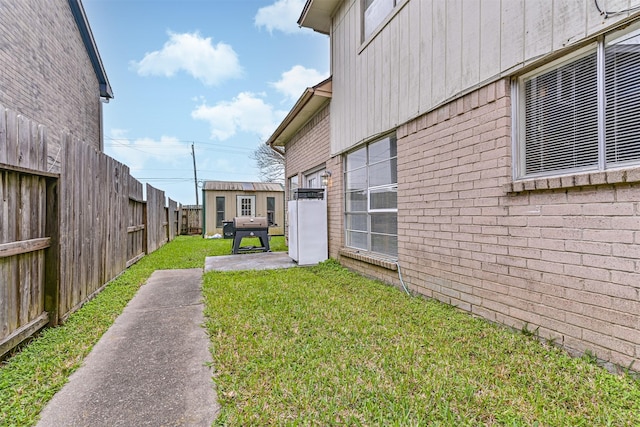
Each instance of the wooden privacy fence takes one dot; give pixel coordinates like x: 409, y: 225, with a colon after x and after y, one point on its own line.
x: 191, y: 220
x: 27, y: 193
x: 64, y: 236
x: 172, y: 219
x: 157, y: 223
x: 136, y: 231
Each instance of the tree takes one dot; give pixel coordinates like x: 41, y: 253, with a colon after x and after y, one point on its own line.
x: 270, y: 163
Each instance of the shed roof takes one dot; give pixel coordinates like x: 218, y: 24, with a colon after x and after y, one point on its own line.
x: 242, y: 186
x: 309, y: 103
x: 90, y: 45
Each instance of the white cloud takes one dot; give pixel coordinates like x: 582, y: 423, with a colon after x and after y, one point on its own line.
x: 193, y: 54
x: 246, y: 112
x: 140, y: 152
x: 296, y: 80
x: 282, y: 16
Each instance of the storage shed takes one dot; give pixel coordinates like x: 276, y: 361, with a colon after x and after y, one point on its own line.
x: 224, y: 200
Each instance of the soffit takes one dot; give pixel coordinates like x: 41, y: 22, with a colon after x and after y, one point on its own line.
x: 90, y: 45
x: 317, y: 15
x: 309, y: 104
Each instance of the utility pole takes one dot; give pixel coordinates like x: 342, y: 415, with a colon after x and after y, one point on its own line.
x: 195, y: 175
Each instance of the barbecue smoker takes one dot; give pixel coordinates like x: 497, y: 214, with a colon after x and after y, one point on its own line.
x: 245, y: 226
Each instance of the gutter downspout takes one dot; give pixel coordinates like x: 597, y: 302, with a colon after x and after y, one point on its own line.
x: 274, y: 148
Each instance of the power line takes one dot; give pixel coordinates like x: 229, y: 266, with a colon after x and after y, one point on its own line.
x: 158, y: 144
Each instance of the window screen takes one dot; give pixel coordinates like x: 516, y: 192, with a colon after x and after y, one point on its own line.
x: 562, y: 117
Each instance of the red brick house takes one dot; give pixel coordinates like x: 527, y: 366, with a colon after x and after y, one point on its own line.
x: 489, y: 149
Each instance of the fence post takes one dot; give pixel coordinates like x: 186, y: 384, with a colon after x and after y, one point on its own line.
x: 145, y: 232
x: 168, y: 219
x: 52, y: 254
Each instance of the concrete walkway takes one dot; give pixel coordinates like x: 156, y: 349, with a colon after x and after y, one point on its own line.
x: 150, y: 368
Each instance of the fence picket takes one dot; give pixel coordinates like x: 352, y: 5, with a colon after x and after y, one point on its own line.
x: 4, y: 224
x: 3, y: 135
x: 12, y: 138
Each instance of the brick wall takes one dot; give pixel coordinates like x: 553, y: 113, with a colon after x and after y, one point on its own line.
x: 45, y: 71
x: 561, y: 255
x: 309, y: 147
x: 335, y: 206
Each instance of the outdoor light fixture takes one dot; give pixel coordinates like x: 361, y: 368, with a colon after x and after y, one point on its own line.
x: 325, y: 178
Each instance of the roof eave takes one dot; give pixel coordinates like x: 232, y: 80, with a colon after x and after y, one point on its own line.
x: 310, y: 102
x: 317, y: 14
x: 90, y: 45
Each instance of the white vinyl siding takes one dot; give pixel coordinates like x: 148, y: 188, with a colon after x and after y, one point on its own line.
x: 426, y: 53
x: 371, y: 197
x: 581, y: 113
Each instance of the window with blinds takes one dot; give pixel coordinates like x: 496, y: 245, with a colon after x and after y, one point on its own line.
x: 581, y: 113
x: 561, y: 117
x: 622, y: 93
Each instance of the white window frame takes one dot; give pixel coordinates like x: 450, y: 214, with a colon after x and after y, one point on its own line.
x: 368, y: 31
x: 519, y: 111
x: 369, y: 210
x: 313, y: 178
x: 293, y: 185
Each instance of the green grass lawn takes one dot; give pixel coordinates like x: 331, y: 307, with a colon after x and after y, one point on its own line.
x: 30, y: 378
x: 324, y: 346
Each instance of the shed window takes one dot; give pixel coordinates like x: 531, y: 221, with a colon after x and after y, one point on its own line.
x: 219, y: 211
x: 271, y: 210
x: 581, y: 113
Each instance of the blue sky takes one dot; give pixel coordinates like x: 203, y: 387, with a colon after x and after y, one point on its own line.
x: 221, y: 74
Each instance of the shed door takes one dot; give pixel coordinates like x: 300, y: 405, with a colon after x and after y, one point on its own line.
x: 246, y: 205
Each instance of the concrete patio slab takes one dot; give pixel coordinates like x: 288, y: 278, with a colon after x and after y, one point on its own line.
x: 251, y: 261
